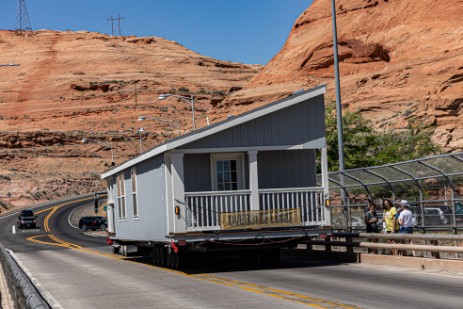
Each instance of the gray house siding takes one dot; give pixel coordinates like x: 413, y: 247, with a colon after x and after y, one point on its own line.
x: 286, y: 169
x: 289, y: 126
x: 197, y: 170
x: 151, y: 222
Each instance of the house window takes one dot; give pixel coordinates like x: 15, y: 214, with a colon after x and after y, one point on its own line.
x: 134, y: 193
x: 121, y: 196
x: 227, y: 172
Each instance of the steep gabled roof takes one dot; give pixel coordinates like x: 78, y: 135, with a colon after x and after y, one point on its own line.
x: 218, y: 127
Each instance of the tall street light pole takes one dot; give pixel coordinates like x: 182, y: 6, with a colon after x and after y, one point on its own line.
x: 110, y: 145
x: 338, y: 89
x: 140, y: 131
x: 190, y: 100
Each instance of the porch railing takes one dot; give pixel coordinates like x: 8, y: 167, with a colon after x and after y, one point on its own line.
x: 309, y: 200
x: 204, y: 208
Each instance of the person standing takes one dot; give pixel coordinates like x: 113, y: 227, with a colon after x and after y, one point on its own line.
x: 405, y: 218
x: 371, y: 218
x: 390, y: 218
x: 406, y: 223
x: 371, y: 222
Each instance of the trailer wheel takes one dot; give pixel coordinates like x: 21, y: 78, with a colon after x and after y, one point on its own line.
x: 176, y: 260
x: 115, y: 250
x: 155, y: 255
x: 170, y: 259
x: 162, y: 256
x: 123, y: 251
x: 270, y: 257
x: 249, y: 258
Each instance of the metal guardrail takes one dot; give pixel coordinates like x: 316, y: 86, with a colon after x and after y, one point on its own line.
x: 24, y: 293
x: 433, y: 239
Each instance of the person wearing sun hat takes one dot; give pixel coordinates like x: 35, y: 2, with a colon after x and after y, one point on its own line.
x: 405, y: 218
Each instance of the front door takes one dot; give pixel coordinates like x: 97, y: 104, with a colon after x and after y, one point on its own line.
x: 227, y: 171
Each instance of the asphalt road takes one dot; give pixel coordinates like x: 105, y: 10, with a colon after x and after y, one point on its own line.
x: 78, y: 271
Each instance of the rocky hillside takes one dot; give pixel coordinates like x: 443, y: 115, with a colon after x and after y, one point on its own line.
x: 400, y: 60
x: 74, y: 85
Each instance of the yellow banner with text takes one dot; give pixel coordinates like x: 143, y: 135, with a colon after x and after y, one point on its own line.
x: 260, y: 218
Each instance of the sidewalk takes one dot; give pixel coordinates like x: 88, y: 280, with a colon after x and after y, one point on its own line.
x: 6, y: 302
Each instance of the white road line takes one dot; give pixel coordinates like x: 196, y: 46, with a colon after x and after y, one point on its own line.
x: 13, y: 229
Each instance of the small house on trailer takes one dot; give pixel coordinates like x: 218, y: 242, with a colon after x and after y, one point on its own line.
x: 250, y: 179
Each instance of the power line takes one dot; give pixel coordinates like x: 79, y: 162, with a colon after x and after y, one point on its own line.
x: 118, y: 26
x: 22, y: 18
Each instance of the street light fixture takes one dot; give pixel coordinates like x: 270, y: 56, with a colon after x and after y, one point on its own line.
x: 176, y: 125
x: 190, y: 100
x: 110, y: 145
x: 140, y: 131
x: 9, y: 65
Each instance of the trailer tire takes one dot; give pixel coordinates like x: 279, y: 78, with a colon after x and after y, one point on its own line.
x: 176, y: 260
x: 162, y: 256
x: 270, y: 257
x: 170, y: 259
x: 158, y: 254
x: 249, y: 258
x: 155, y: 255
x: 115, y: 250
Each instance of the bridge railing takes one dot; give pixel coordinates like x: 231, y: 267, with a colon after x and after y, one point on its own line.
x: 23, y: 292
x: 445, y: 246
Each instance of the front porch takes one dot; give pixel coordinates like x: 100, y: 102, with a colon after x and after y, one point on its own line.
x: 297, y: 207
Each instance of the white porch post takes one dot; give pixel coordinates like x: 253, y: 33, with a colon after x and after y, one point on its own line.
x: 178, y: 193
x: 325, y: 183
x: 253, y: 180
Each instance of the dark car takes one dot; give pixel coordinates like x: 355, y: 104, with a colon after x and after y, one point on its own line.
x: 93, y: 223
x: 26, y: 218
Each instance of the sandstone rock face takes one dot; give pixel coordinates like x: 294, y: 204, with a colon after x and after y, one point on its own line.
x: 399, y: 60
x: 75, y: 85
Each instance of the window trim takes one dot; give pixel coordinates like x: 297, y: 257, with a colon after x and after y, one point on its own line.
x: 135, y: 208
x: 121, y: 198
x: 240, y: 172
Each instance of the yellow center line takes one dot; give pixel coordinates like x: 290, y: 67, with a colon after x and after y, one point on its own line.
x: 58, y: 242
x: 33, y: 239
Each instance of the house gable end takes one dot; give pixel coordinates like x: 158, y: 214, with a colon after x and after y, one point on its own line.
x: 300, y: 124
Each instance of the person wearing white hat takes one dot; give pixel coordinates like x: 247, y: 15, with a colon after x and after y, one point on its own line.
x: 405, y: 218
x: 405, y: 222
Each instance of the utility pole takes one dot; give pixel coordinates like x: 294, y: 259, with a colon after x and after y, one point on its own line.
x: 136, y: 95
x: 118, y: 27
x: 22, y: 18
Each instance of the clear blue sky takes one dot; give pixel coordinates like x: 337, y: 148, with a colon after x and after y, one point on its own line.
x: 247, y: 31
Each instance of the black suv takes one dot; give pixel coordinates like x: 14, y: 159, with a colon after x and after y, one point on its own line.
x: 93, y: 223
x: 26, y: 218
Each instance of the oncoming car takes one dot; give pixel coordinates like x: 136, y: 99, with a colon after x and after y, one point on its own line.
x: 26, y: 218
x: 93, y: 223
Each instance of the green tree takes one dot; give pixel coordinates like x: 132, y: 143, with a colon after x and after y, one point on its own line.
x: 363, y: 146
